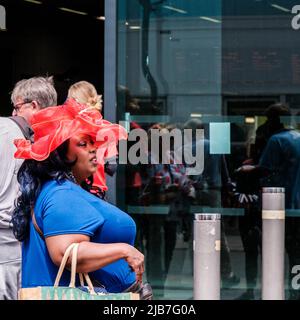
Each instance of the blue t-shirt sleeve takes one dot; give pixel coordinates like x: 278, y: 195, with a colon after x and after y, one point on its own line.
x: 270, y: 158
x: 65, y: 212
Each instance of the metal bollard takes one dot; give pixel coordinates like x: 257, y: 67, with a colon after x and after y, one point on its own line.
x: 207, y: 246
x: 273, y: 229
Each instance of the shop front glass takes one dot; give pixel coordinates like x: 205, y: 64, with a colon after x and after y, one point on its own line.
x: 216, y: 66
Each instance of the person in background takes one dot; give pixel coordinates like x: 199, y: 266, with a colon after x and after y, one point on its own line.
x: 279, y: 166
x: 133, y: 173
x: 28, y: 97
x: 62, y: 156
x: 85, y: 93
x: 208, y: 190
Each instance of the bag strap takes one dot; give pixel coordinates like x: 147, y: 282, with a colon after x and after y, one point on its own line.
x: 89, y: 283
x: 24, y: 127
x: 73, y: 271
x: 74, y: 249
x: 74, y: 265
x: 63, y: 264
x: 36, y: 227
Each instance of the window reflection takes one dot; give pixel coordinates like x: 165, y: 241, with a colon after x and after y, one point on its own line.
x: 188, y: 65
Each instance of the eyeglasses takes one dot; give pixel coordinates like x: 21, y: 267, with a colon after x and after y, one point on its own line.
x: 18, y: 106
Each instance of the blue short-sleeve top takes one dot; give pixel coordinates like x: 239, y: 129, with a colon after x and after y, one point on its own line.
x: 65, y: 208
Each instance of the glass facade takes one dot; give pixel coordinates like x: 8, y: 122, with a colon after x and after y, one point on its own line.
x: 216, y: 66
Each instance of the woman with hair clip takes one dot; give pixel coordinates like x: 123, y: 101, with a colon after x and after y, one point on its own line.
x: 53, y: 211
x: 85, y: 93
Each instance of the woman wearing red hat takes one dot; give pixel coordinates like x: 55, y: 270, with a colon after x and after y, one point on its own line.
x: 85, y: 93
x: 62, y: 156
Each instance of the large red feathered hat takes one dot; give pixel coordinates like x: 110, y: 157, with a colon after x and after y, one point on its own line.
x: 54, y: 125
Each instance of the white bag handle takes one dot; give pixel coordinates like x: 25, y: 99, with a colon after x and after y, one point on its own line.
x: 63, y: 264
x: 74, y: 249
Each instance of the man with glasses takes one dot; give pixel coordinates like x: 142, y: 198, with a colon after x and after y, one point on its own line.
x: 28, y: 97
x: 18, y: 106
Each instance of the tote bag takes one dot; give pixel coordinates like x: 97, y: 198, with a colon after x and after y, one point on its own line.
x: 57, y: 292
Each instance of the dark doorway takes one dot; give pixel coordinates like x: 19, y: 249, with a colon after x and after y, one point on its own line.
x: 64, y: 39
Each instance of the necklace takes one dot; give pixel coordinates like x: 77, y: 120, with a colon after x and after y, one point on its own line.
x: 71, y: 177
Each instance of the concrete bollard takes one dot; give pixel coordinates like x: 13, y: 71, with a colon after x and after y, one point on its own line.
x: 273, y: 229
x: 207, y: 246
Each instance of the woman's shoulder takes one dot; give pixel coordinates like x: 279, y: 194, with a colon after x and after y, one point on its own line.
x: 58, y: 192
x: 53, y: 185
x: 53, y: 189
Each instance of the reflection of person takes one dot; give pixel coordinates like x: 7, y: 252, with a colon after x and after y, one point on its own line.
x: 85, y: 93
x: 248, y: 192
x: 208, y: 193
x: 62, y: 156
x: 127, y: 100
x: 28, y: 96
x: 247, y: 195
x: 133, y: 172
x: 281, y: 161
x: 280, y: 164
x: 165, y: 183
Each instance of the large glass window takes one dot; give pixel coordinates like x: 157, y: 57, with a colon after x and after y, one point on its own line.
x: 216, y: 66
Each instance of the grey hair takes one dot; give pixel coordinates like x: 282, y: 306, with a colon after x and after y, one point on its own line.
x: 39, y: 89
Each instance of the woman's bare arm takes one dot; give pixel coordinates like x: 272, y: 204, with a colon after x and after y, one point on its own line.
x: 93, y: 256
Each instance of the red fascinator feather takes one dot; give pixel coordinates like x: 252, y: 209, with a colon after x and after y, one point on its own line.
x: 54, y: 125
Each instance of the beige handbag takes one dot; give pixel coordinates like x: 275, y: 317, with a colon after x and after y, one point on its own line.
x: 71, y: 293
